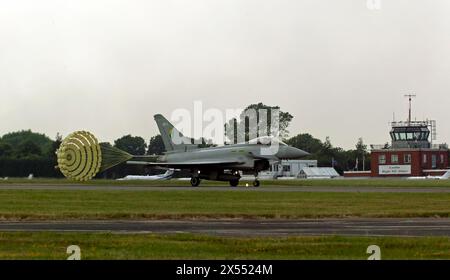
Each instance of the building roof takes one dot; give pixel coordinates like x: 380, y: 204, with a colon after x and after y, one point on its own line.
x: 319, y: 172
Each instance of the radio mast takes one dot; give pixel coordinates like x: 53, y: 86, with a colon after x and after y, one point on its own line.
x: 410, y: 96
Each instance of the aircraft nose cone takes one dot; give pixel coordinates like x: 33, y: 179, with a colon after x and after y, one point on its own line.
x: 291, y: 153
x: 297, y: 153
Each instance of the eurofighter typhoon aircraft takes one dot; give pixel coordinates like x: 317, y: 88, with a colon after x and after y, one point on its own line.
x: 221, y: 163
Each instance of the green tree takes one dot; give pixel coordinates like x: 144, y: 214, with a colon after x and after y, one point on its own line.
x: 55, y: 147
x: 6, y: 150
x: 361, y: 147
x: 244, y: 125
x: 156, y: 146
x: 324, y: 152
x: 28, y: 149
x: 134, y: 145
x: 18, y: 139
x: 361, y: 153
x: 306, y: 142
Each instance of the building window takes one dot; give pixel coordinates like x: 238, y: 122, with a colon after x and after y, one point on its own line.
x: 407, y: 158
x: 382, y: 159
x: 394, y: 159
x: 442, y: 159
x: 425, y: 159
x: 433, y: 161
x: 286, y: 168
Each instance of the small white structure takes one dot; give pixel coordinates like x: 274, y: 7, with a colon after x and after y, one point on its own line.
x: 286, y: 168
x: 318, y: 173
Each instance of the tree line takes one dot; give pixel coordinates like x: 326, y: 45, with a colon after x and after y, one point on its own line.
x: 26, y: 152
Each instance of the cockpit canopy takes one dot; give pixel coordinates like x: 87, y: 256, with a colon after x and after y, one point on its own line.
x: 267, y: 140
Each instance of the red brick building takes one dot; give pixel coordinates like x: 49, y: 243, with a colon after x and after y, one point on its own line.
x: 409, y: 162
x: 411, y: 153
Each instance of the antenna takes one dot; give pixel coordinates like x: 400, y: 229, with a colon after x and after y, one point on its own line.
x: 410, y: 96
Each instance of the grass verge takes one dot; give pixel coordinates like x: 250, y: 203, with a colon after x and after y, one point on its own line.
x: 100, y: 204
x: 48, y: 245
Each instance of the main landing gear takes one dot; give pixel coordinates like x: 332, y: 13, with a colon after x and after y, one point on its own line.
x: 233, y: 179
x: 234, y: 182
x: 195, y: 181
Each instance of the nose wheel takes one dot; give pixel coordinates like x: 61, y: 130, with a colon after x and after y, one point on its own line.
x: 195, y: 181
x: 256, y: 182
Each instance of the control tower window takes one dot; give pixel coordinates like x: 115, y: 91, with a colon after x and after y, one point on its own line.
x: 394, y: 159
x: 433, y: 161
x: 382, y: 159
x: 410, y: 136
x: 407, y: 158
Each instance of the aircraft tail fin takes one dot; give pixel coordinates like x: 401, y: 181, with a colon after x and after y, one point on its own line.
x: 172, y: 138
x: 446, y: 176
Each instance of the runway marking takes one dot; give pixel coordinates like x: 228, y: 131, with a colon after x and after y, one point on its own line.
x: 346, y: 227
x: 318, y: 189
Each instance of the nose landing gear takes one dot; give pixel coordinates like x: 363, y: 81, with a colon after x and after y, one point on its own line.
x: 256, y: 182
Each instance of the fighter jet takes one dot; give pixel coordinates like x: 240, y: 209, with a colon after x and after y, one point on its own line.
x: 221, y: 163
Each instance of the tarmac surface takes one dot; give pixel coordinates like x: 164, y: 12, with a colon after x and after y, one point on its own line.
x: 270, y: 228
x: 318, y: 189
x: 302, y: 227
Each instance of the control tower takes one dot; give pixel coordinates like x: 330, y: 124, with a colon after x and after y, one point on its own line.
x: 412, y: 151
x: 412, y: 134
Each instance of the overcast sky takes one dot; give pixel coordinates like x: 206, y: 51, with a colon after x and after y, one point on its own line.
x: 108, y: 66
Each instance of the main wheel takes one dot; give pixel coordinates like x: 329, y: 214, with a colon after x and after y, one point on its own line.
x: 195, y: 181
x: 256, y: 183
x: 234, y: 183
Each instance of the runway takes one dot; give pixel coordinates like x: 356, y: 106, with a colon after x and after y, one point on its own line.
x: 270, y: 228
x: 318, y: 189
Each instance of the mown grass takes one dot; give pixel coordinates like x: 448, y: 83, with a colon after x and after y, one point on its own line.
x: 118, y: 204
x: 206, y: 183
x: 106, y: 246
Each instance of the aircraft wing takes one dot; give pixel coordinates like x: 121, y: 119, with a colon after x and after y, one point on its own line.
x: 186, y: 163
